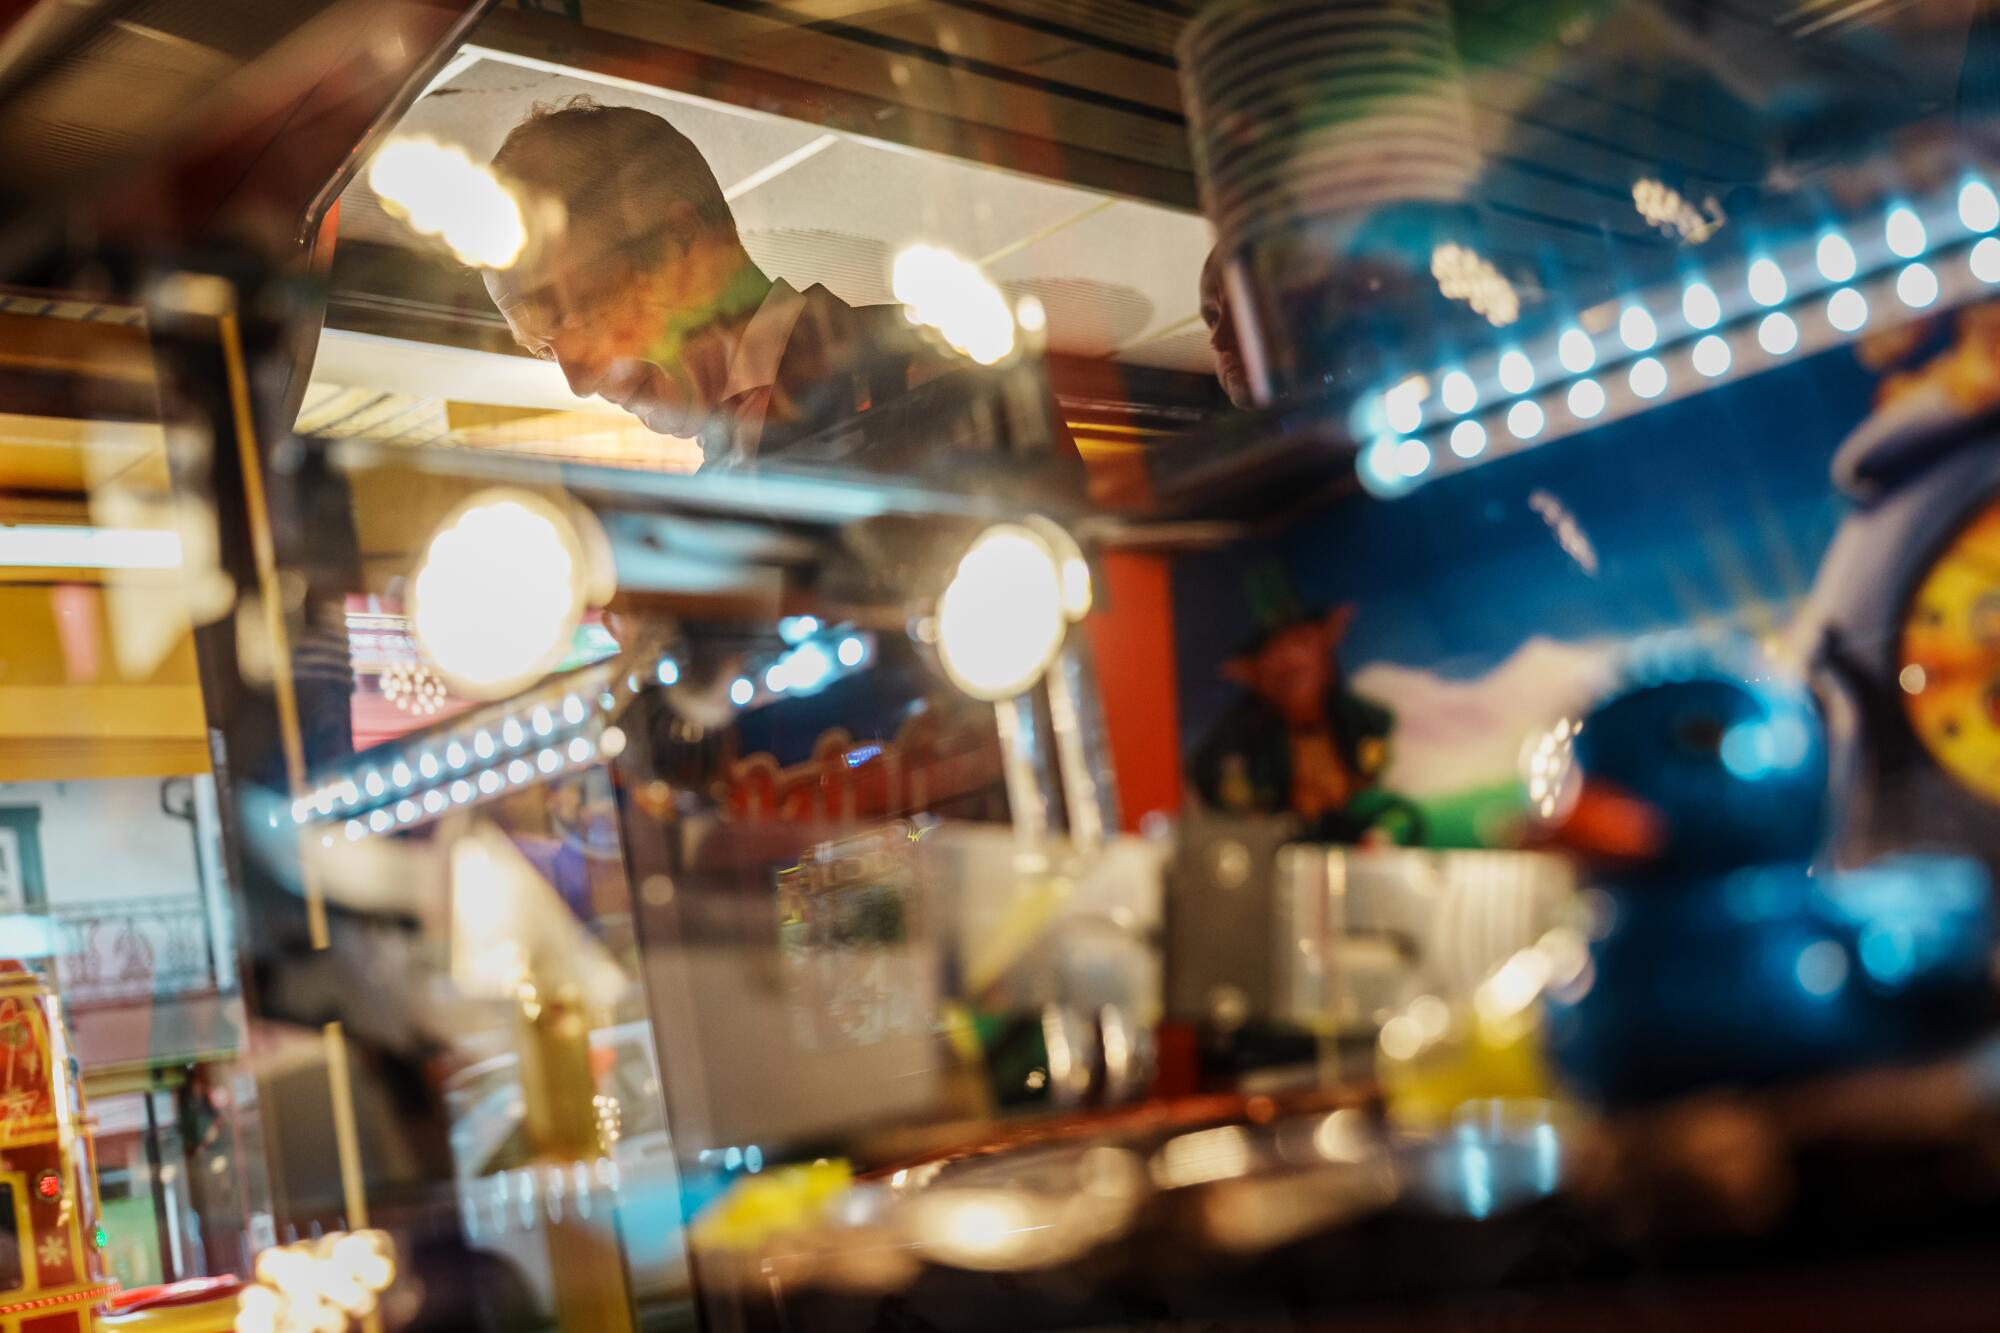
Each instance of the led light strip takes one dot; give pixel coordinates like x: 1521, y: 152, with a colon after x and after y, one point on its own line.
x: 480, y: 755
x: 1668, y: 344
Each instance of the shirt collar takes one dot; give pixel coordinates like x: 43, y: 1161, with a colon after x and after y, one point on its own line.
x: 754, y: 364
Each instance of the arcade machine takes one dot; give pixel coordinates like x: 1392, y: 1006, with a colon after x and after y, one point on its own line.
x: 1577, y: 910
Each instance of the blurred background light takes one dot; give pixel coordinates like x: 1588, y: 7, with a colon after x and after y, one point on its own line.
x: 1917, y: 286
x: 1000, y: 620
x: 1699, y: 306
x: 1517, y: 372
x: 1458, y: 392
x: 1835, y: 257
x: 945, y: 292
x: 1777, y: 333
x: 1648, y: 377
x: 1847, y: 310
x: 1985, y: 261
x: 1575, y: 350
x: 1468, y: 439
x: 1636, y: 328
x: 1978, y: 208
x: 1586, y: 399
x: 1711, y: 356
x: 1524, y: 420
x: 440, y: 191
x: 1766, y: 282
x: 1904, y: 231
x: 499, y: 592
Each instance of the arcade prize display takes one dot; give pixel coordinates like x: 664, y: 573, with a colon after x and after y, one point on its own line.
x: 1495, y: 827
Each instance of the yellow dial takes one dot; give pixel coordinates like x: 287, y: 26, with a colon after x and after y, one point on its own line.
x: 1950, y: 667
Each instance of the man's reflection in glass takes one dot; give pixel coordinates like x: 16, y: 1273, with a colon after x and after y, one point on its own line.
x: 1215, y: 313
x: 637, y: 284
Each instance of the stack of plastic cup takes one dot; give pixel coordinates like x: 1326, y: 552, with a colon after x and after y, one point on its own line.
x: 1328, y: 135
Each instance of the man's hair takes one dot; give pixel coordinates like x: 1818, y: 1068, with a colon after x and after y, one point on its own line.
x: 614, y: 164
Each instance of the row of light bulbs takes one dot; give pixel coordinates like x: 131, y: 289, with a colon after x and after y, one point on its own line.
x: 1892, y: 270
x: 536, y: 741
x: 540, y: 738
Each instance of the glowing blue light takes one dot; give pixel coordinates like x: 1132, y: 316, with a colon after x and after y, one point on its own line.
x: 1904, y: 231
x: 1888, y: 952
x: 1458, y: 392
x: 373, y: 782
x: 1711, y: 356
x: 1821, y: 968
x: 1403, y: 406
x: 808, y: 667
x: 544, y: 722
x: 1917, y: 286
x: 1986, y: 260
x: 852, y: 651
x: 1847, y: 310
x: 1700, y: 307
x: 774, y: 678
x: 1777, y: 334
x: 1978, y: 208
x: 1648, y: 377
x: 511, y: 733
x: 1752, y: 750
x: 1525, y: 420
x: 1766, y: 282
x: 732, y: 1159
x: 401, y: 775
x: 428, y: 764
x: 454, y: 755
x: 1468, y: 439
x: 753, y: 1159
x: 482, y: 744
x: 1413, y: 458
x: 861, y: 754
x: 1576, y: 352
x: 1517, y: 373
x: 669, y: 672
x: 1586, y: 399
x: 1636, y: 328
x: 741, y: 691
x: 793, y: 629
x: 1835, y: 257
x: 1380, y: 467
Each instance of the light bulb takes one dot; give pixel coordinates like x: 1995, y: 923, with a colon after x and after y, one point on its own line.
x: 1000, y: 620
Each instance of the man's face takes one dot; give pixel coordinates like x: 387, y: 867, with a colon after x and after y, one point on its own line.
x: 624, y: 327
x: 1222, y: 333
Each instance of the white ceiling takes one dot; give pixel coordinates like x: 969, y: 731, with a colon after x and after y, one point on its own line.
x: 1117, y: 277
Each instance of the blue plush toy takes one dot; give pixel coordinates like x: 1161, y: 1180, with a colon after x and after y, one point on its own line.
x: 1719, y: 955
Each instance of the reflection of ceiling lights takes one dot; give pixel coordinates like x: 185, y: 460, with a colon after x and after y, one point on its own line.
x: 1788, y: 302
x: 413, y: 689
x: 440, y: 191
x: 952, y: 295
x: 1463, y: 275
x: 1663, y: 207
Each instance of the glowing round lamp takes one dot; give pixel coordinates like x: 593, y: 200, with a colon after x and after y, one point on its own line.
x: 499, y: 592
x: 1000, y: 621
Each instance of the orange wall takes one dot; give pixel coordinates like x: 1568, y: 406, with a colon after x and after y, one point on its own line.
x: 1132, y: 637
